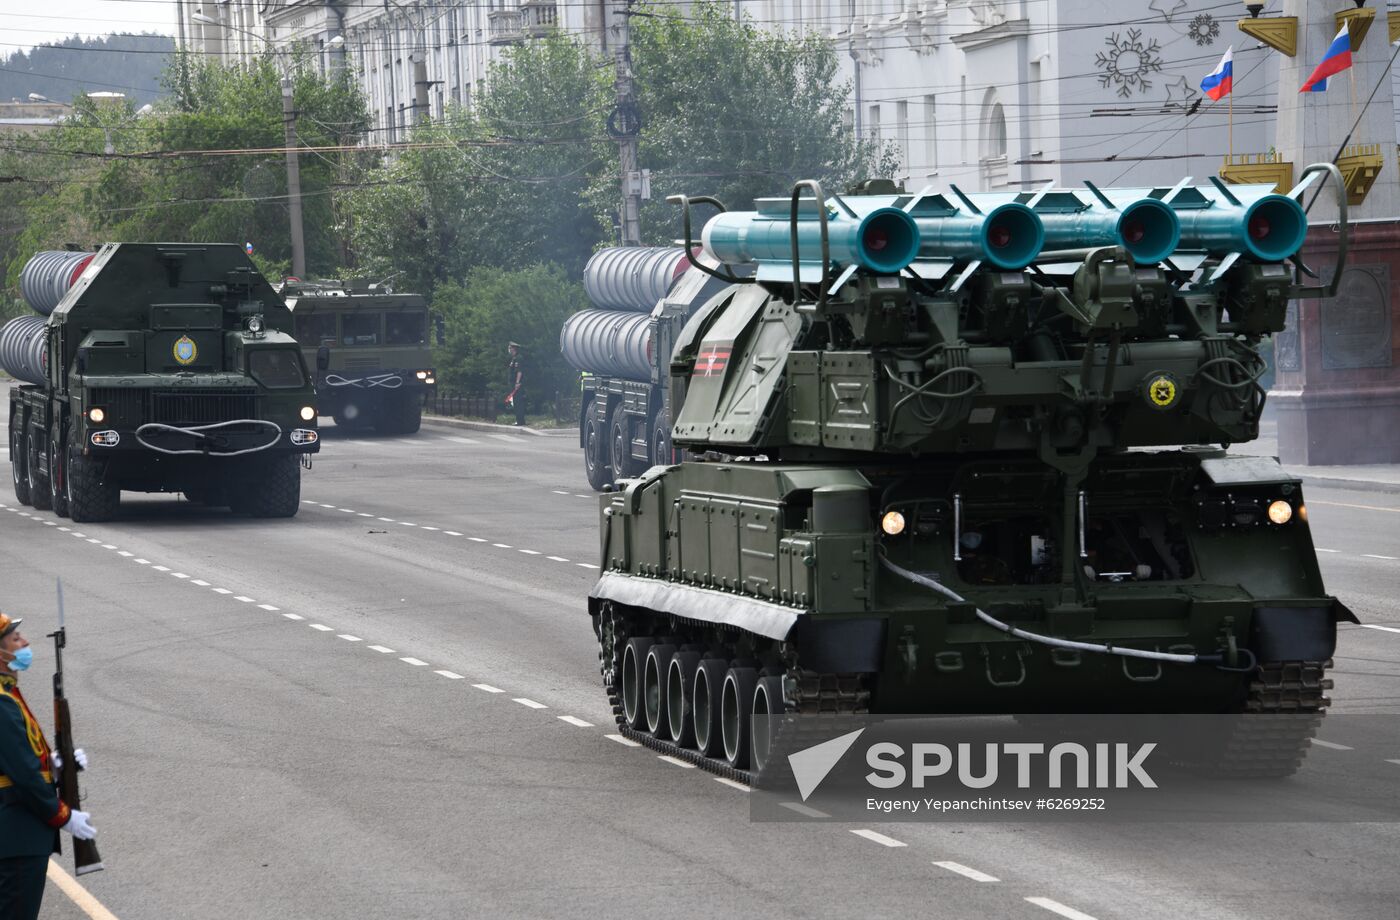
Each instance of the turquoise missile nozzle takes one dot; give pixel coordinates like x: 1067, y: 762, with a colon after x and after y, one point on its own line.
x: 1146, y: 228
x: 883, y: 241
x: 1268, y: 229
x: 1008, y: 237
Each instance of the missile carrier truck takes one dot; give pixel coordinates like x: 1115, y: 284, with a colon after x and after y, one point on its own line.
x: 369, y: 346
x: 162, y: 367
x: 975, y: 461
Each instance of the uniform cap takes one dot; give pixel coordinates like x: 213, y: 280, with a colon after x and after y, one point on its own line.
x: 8, y: 625
x: 513, y: 345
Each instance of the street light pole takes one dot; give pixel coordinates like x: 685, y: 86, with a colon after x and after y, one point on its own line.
x: 289, y: 127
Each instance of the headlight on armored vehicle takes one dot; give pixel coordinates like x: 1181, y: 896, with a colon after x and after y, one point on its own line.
x: 97, y: 415
x: 422, y: 375
x: 892, y: 523
x: 1280, y: 512
x: 106, y: 438
x: 303, y: 436
x: 308, y: 413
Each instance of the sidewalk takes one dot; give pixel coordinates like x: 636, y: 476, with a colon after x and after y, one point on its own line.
x: 1376, y: 477
x: 444, y: 421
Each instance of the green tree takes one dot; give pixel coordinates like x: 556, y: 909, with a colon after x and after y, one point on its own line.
x: 497, y: 306
x: 499, y: 184
x: 204, y: 166
x: 736, y: 112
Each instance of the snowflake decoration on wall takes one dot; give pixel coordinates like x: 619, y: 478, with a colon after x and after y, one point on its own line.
x: 1203, y: 29
x: 1128, y: 62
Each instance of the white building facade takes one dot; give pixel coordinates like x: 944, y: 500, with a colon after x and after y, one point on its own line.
x: 988, y: 94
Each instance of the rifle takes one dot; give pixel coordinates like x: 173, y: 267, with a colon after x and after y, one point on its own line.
x: 84, y: 851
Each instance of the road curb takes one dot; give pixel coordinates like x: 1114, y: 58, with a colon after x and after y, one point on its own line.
x: 1360, y: 485
x: 444, y: 421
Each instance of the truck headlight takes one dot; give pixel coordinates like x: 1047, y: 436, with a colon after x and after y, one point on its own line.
x: 422, y: 375
x: 1280, y: 512
x: 97, y: 415
x: 308, y: 413
x: 892, y: 523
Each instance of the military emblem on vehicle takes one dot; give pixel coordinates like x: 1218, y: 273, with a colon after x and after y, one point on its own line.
x: 1162, y: 391
x: 185, y: 350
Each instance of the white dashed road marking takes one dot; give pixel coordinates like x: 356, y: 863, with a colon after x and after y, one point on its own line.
x: 268, y: 607
x: 967, y: 871
x: 382, y: 649
x: 199, y: 581
x: 244, y: 598
x: 803, y: 810
x: 1390, y: 629
x: 450, y: 675
x: 625, y: 742
x: 488, y: 688
x: 726, y: 781
x: 525, y: 701
x: 575, y: 720
x: 320, y: 627
x: 452, y: 533
x: 416, y: 662
x: 1332, y: 745
x: 1058, y: 908
x: 1386, y: 558
x: 877, y: 837
x: 293, y: 616
x: 348, y: 638
x: 221, y: 590
x: 556, y: 559
x: 675, y: 761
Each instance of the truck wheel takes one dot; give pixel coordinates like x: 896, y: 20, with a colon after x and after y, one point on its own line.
x: 58, y: 480
x: 19, y: 459
x: 90, y: 499
x: 624, y: 465
x: 595, y: 457
x: 276, y: 492
x: 661, y: 454
x: 38, y: 488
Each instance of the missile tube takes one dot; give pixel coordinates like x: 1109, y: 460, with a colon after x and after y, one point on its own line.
x: 615, y: 343
x: 632, y: 278
x: 47, y: 276
x: 22, y: 349
x: 883, y: 241
x: 1147, y: 228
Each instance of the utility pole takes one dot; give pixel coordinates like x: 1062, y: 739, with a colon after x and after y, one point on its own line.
x: 624, y: 124
x: 289, y: 122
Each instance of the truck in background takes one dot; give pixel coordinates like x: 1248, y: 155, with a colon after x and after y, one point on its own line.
x: 370, y: 348
x: 642, y: 298
x: 156, y: 367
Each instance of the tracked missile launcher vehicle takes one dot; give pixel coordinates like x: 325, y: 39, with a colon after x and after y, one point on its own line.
x: 974, y: 460
x: 370, y: 350
x: 160, y: 368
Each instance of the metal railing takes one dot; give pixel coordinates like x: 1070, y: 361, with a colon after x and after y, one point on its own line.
x: 491, y: 406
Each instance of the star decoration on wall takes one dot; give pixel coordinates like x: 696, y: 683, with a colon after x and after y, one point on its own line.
x: 1181, y: 94
x: 1168, y: 8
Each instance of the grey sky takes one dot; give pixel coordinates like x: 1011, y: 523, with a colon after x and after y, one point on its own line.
x: 26, y: 23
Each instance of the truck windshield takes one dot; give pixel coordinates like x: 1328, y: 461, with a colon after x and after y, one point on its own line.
x: 360, y: 329
x: 406, y: 328
x: 277, y: 368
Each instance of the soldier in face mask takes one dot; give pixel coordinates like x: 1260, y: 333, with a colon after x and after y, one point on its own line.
x: 31, y: 813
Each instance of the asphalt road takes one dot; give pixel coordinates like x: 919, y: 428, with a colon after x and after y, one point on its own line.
x: 389, y: 706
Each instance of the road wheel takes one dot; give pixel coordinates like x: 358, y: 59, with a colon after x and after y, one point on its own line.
x: 661, y: 453
x: 654, y: 675
x: 736, y: 708
x: 58, y: 479
x: 680, y: 697
x: 708, y: 688
x: 19, y: 459
x: 90, y: 499
x: 275, y: 492
x: 595, y: 457
x: 38, y: 488
x: 620, y: 441
x: 633, y: 661
x: 766, y: 711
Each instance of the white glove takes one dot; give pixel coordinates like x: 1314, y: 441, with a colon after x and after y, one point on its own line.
x: 78, y: 754
x: 79, y: 826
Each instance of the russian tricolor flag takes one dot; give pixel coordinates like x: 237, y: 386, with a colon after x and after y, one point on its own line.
x: 1218, y: 84
x: 1337, y: 60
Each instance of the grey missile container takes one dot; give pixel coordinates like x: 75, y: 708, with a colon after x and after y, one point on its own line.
x: 612, y: 343
x: 22, y: 349
x: 46, y: 278
x: 632, y: 278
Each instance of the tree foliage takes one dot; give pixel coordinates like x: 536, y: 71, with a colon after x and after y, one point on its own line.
x: 498, y: 184
x: 130, y: 64
x: 496, y: 306
x: 111, y: 172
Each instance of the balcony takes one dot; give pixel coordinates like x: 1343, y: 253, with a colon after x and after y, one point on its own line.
x: 505, y: 27
x: 538, y: 17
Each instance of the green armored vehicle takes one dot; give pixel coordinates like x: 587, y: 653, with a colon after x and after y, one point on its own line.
x: 161, y: 367
x: 971, y: 459
x: 374, y: 366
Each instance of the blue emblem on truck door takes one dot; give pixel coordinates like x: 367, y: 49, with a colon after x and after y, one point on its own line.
x: 185, y: 350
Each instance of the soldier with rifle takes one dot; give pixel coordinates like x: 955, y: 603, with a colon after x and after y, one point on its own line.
x: 31, y: 809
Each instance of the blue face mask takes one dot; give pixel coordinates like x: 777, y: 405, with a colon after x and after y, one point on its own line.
x: 23, y: 659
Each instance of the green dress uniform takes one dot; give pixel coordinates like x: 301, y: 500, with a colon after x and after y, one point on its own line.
x: 30, y: 810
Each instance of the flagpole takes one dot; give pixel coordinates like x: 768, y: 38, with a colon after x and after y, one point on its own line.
x: 1231, y: 129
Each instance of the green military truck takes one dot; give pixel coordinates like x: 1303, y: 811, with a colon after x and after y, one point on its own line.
x: 374, y: 364
x: 162, y: 368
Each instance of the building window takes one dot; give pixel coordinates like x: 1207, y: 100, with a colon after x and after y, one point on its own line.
x: 931, y: 133
x: 901, y: 128
x: 874, y: 124
x: 994, y: 133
